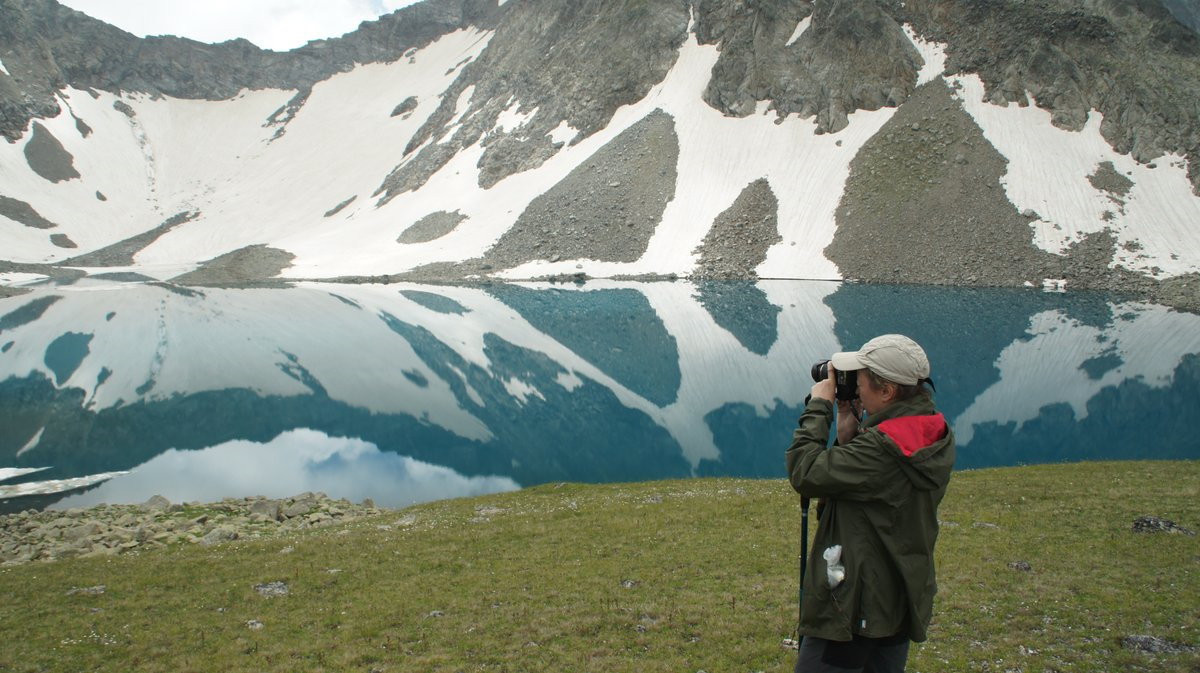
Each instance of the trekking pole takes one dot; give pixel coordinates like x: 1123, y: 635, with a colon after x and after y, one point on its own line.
x: 803, y: 566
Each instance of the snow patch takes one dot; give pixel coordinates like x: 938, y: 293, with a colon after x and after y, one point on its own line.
x: 563, y: 133
x: 3, y: 69
x: 522, y: 390
x: 933, y: 53
x: 800, y: 28
x: 462, y: 105
x: 512, y: 119
x: 33, y: 442
x: 55, y: 485
x: 7, y: 473
x: 16, y: 279
x: 568, y: 380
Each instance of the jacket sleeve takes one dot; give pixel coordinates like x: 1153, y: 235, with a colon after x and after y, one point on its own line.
x: 855, y: 471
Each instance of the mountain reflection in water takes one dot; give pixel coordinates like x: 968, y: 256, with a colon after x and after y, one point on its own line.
x: 405, y: 393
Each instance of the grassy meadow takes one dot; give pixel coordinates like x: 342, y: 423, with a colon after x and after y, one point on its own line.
x: 1039, y: 571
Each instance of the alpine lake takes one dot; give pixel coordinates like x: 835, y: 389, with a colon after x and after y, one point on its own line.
x: 404, y: 393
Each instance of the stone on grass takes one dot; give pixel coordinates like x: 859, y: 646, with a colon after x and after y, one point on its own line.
x: 1154, y: 524
x: 272, y: 589
x: 1156, y: 645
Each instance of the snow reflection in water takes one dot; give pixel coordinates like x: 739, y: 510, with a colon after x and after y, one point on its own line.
x: 404, y: 393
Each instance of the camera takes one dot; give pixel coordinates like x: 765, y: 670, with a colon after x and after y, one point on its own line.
x: 846, y: 382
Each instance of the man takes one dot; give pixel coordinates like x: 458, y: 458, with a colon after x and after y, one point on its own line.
x: 870, y: 584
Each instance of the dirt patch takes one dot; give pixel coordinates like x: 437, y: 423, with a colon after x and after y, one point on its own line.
x: 63, y: 241
x: 1106, y: 178
x: 122, y: 252
x: 431, y: 227
x: 19, y: 211
x: 251, y: 265
x: 338, y: 208
x: 739, y: 238
x: 47, y: 156
x: 607, y: 208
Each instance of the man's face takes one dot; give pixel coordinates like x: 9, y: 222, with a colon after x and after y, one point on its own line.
x: 873, y: 399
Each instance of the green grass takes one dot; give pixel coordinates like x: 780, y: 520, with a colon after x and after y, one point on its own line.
x: 664, y: 576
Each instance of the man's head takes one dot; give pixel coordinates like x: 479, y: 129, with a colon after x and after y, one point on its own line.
x: 890, y: 367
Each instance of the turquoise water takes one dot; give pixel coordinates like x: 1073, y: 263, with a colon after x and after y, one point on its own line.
x: 406, y: 393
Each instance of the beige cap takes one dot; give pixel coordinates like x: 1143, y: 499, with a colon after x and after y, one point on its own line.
x: 895, y: 357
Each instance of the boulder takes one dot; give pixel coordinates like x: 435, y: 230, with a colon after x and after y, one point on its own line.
x: 156, y: 503
x: 271, y: 509
x: 218, y: 535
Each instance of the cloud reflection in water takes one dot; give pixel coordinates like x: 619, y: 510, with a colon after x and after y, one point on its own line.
x: 297, y: 461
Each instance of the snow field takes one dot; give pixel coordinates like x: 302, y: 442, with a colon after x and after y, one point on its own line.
x: 1048, y: 171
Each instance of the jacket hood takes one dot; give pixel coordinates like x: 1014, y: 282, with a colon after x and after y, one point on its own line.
x: 922, y: 439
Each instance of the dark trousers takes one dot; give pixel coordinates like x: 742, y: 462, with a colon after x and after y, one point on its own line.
x: 861, y: 655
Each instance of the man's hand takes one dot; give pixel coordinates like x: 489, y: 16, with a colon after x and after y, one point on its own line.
x: 847, y: 420
x: 825, y: 389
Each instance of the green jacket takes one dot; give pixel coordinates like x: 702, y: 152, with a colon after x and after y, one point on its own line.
x: 880, y: 497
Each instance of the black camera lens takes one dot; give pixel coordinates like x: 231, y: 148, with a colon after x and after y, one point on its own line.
x: 820, y: 371
x: 846, y: 384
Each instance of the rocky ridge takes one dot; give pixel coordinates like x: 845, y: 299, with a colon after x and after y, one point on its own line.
x: 106, y: 530
x: 49, y: 46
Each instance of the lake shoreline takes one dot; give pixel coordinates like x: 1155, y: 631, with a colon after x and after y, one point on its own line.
x: 1181, y: 293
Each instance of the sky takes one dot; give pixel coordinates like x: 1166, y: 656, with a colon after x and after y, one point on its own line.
x: 271, y: 24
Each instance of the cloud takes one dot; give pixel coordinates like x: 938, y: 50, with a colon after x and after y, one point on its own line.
x: 271, y: 24
x: 295, y: 462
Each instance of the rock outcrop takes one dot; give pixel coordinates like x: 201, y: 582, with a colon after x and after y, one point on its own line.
x: 49, y: 46
x: 107, y: 530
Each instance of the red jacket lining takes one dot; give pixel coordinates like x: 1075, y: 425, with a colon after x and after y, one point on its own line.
x: 913, y: 433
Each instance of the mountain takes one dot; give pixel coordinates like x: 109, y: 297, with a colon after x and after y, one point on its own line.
x: 965, y: 142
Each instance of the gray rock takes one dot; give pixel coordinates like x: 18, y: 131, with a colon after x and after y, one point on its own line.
x: 82, y: 532
x: 406, y: 106
x: 1156, y: 645
x: 298, y: 509
x: 156, y: 504
x: 1154, y: 524
x: 272, y: 589
x: 271, y: 509
x: 218, y: 535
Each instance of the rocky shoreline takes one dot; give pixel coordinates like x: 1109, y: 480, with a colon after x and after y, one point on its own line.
x: 108, y: 530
